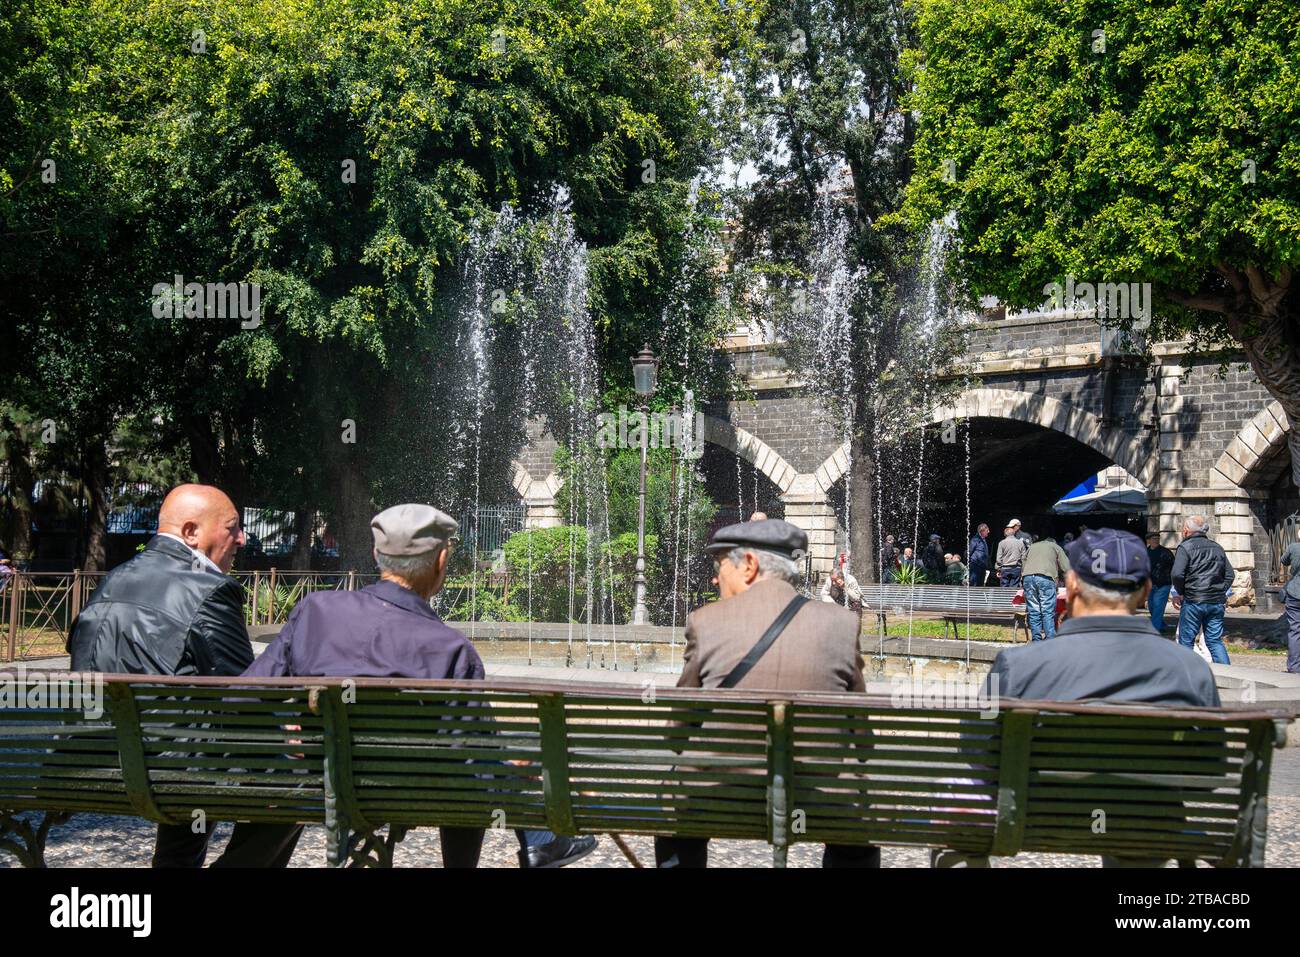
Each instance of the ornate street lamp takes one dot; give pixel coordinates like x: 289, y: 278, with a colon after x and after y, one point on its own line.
x: 645, y: 368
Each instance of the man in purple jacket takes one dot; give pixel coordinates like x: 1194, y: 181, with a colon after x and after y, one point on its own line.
x: 386, y: 630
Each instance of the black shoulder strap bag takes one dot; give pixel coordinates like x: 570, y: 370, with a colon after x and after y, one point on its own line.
x: 771, y: 635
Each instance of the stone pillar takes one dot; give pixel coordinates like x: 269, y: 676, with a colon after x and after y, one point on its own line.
x: 1169, y: 408
x: 540, y: 509
x: 808, y: 506
x: 1232, y: 526
x: 542, y: 513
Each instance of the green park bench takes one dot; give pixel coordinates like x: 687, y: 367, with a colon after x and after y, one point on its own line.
x: 954, y: 603
x: 360, y: 755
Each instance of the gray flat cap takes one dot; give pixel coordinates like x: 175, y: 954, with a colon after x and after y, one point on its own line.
x: 769, y: 534
x: 411, y: 530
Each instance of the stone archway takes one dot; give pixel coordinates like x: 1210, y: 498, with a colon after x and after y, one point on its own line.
x: 1033, y: 409
x: 1250, y: 460
x: 752, y: 449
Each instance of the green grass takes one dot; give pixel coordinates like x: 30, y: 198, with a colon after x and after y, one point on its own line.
x: 933, y: 628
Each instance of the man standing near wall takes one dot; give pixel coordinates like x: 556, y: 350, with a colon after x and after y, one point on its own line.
x: 1162, y: 566
x: 1291, y: 595
x: 977, y: 556
x: 1201, y: 577
x: 1011, y: 555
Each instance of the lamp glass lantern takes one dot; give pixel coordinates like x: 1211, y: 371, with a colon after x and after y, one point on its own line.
x: 645, y: 372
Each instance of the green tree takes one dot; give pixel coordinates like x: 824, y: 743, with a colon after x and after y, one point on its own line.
x: 335, y: 155
x: 825, y: 137
x: 1123, y: 141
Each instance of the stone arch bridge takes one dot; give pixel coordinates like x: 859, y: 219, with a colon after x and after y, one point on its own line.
x: 1049, y: 408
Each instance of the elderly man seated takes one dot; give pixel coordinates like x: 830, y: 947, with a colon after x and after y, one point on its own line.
x: 386, y: 630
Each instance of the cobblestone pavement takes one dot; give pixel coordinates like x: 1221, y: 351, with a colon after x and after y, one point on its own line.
x: 92, y: 840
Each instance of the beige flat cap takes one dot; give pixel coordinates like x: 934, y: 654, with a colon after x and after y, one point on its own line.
x: 411, y: 530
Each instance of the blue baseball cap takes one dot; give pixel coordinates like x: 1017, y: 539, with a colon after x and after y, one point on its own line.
x: 1110, y: 558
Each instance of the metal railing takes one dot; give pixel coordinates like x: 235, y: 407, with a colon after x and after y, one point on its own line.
x: 1279, y: 537
x: 270, y: 596
x: 37, y: 609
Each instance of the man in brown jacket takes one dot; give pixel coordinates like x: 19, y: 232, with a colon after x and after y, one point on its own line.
x: 758, y: 566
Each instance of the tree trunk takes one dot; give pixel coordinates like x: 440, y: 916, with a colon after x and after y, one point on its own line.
x: 862, y: 512
x: 351, y: 512
x: 1269, y: 339
x: 304, y: 526
x: 205, y: 454
x: 22, y: 483
x: 94, y: 480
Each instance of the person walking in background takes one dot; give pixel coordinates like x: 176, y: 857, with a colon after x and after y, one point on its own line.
x: 1291, y: 596
x: 1045, y: 564
x: 1162, y: 567
x: 1021, y: 533
x: 888, y: 561
x: 932, y: 559
x: 6, y: 570
x: 1011, y: 556
x: 1202, y: 576
x: 977, y: 555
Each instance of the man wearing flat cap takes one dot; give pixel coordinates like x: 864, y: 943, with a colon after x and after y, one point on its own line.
x: 1106, y: 651
x: 386, y: 630
x: 763, y: 634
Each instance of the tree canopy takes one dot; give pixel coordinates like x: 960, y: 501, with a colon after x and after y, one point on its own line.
x: 1122, y: 141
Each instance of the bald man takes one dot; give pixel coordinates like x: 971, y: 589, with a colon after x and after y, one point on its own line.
x: 172, y: 610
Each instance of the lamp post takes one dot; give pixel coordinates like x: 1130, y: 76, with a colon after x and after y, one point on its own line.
x: 644, y: 375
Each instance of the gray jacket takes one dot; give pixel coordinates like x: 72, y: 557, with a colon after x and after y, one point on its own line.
x: 1291, y: 559
x: 1011, y: 552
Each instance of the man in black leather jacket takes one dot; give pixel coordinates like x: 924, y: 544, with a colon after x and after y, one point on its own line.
x: 1202, y: 575
x: 172, y: 610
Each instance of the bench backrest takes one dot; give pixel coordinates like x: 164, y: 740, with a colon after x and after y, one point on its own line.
x: 358, y: 754
x: 955, y: 598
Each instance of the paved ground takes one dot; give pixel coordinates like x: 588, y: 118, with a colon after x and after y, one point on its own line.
x: 91, y: 840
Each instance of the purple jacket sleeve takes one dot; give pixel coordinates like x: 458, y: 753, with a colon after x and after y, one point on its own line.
x: 274, y: 662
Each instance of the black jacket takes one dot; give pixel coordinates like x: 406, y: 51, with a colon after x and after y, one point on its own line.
x: 1107, y: 657
x: 1202, y: 572
x: 1162, y: 565
x: 163, y: 614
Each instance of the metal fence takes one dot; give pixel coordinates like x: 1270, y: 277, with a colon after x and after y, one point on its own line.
x: 491, y: 526
x: 1279, y: 537
x: 37, y: 609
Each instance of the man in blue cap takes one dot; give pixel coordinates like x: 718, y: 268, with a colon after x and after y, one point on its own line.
x: 1105, y: 650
